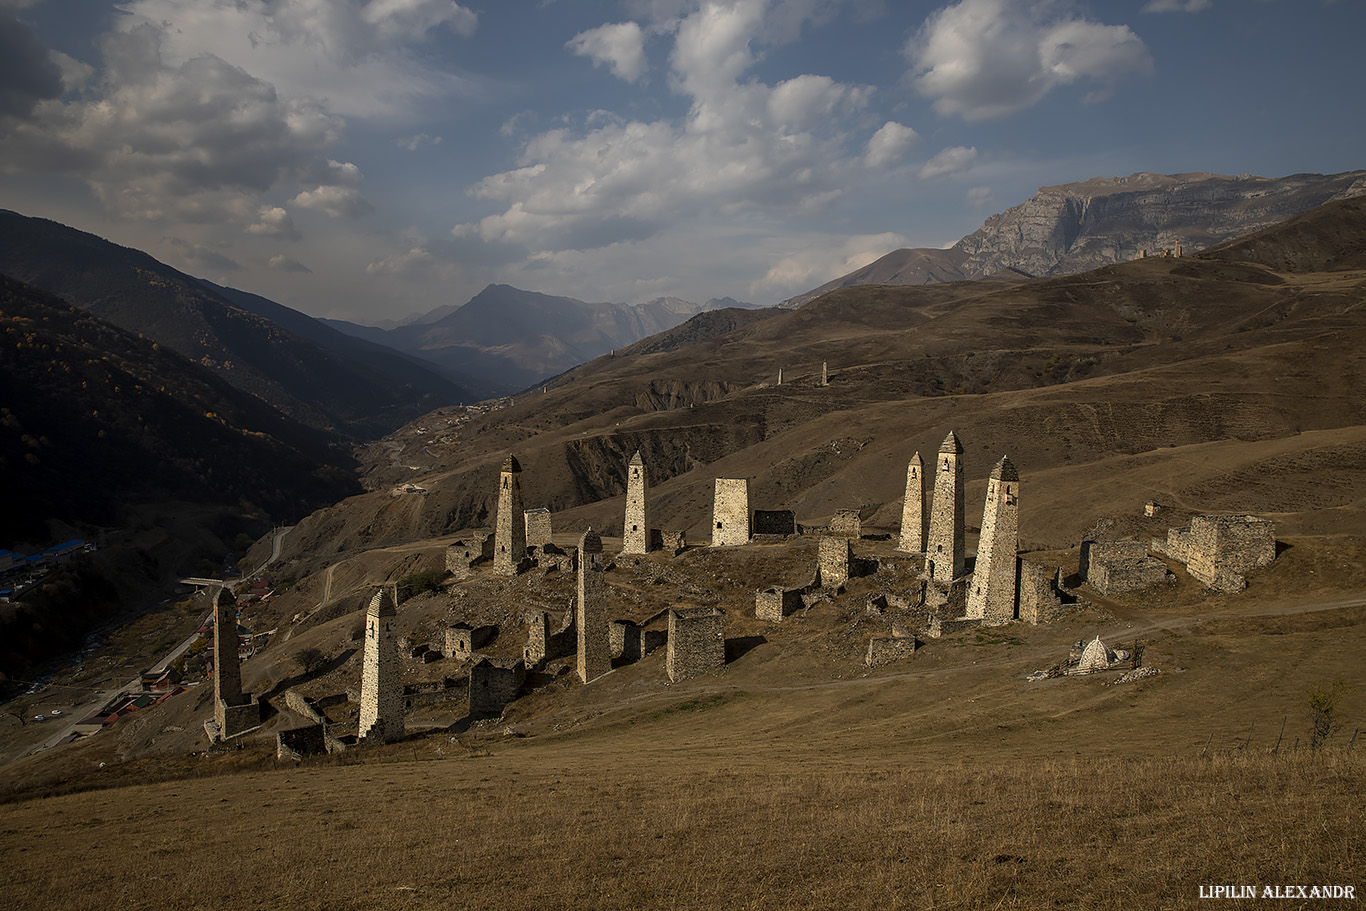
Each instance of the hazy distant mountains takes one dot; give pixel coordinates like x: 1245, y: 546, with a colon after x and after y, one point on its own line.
x: 1080, y: 226
x: 308, y: 370
x: 511, y: 338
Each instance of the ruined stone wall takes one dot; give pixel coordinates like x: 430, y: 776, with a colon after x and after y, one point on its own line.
x: 493, y: 685
x: 1039, y: 599
x: 543, y: 643
x: 774, y: 522
x: 459, y: 558
x: 1222, y: 548
x: 635, y: 536
x: 697, y: 642
x: 460, y: 640
x: 991, y: 595
x: 631, y: 641
x: 833, y: 557
x: 381, y: 690
x: 912, y: 538
x: 945, y: 550
x: 296, y: 743
x: 775, y: 603
x: 887, y: 649
x: 846, y: 524
x: 510, y: 527
x: 296, y: 702
x: 673, y: 541
x: 730, y: 512
x: 594, y: 646
x: 538, y: 530
x: 1115, y: 567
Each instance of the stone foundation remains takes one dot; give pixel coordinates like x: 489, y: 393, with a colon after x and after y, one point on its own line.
x: 1217, y: 550
x: 630, y: 641
x: 887, y: 649
x: 1114, y: 567
x: 775, y: 603
x: 493, y: 684
x: 1040, y: 601
x: 296, y: 743
x: 697, y: 642
x: 846, y: 524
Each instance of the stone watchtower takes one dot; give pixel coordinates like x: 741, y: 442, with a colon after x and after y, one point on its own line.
x: 730, y: 512
x: 944, y: 550
x: 913, y: 510
x: 595, y: 648
x: 381, y: 690
x: 509, y: 536
x: 635, y: 536
x: 991, y: 597
x: 227, y: 670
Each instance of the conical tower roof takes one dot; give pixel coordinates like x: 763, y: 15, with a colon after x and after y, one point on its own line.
x: 511, y: 464
x: 951, y: 445
x: 637, y: 460
x: 1005, y: 470
x: 590, y: 543
x: 382, y: 604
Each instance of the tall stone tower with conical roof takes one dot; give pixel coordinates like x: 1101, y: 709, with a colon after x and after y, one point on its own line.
x: 381, y: 690
x: 635, y: 536
x: 913, y: 509
x: 944, y: 551
x: 509, y: 535
x: 991, y: 596
x: 595, y: 646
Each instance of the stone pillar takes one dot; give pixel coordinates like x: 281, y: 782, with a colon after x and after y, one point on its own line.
x: 509, y: 544
x: 730, y: 512
x: 635, y: 537
x: 833, y: 558
x: 227, y: 670
x: 595, y: 647
x: 825, y: 374
x: 381, y: 690
x: 991, y: 596
x: 945, y: 548
x: 780, y: 376
x: 913, y: 509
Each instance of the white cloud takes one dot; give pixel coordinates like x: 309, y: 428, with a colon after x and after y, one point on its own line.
x: 744, y: 146
x: 949, y: 161
x: 333, y: 200
x: 283, y: 263
x: 199, y: 257
x: 981, y: 59
x: 889, y: 144
x: 1176, y: 6
x: 274, y: 221
x: 621, y: 46
x: 406, y: 264
x: 980, y: 196
x: 417, y: 141
x: 357, y: 58
x: 822, y: 259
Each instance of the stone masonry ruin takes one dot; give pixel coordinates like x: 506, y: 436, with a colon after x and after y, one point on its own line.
x: 832, y: 561
x: 234, y: 712
x: 774, y: 522
x: 1113, y: 567
x: 1217, y: 550
x: 945, y: 549
x: 991, y: 597
x: 697, y: 642
x: 846, y: 523
x: 381, y: 690
x: 538, y: 530
x: 493, y: 684
x: 546, y: 644
x: 635, y: 538
x: 509, y: 538
x: 730, y: 512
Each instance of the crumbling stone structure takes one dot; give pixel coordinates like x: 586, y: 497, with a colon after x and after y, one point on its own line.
x: 776, y: 522
x: 913, y: 509
x: 631, y: 641
x: 945, y: 551
x: 635, y: 537
x: 544, y: 644
x: 697, y: 643
x: 595, y: 655
x: 510, y: 529
x: 461, y: 557
x: 887, y: 649
x: 730, y: 512
x: 1217, y: 550
x: 234, y: 712
x: 296, y: 743
x: 1040, y: 601
x: 846, y: 524
x: 775, y: 603
x: 675, y: 542
x: 461, y: 640
x: 1114, y: 567
x: 493, y: 684
x: 991, y: 595
x: 538, y: 531
x: 833, y: 558
x: 381, y: 690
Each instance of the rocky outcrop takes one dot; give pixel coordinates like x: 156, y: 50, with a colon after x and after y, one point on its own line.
x: 1081, y: 226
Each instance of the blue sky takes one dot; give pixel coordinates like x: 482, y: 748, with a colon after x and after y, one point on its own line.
x: 370, y: 159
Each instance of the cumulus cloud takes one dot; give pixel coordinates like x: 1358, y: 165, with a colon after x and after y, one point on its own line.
x: 198, y: 256
x: 1176, y: 6
x: 743, y: 146
x: 620, y: 46
x: 889, y: 144
x: 274, y: 221
x: 336, y: 201
x: 824, y: 258
x: 982, y: 59
x: 282, y: 263
x: 406, y: 264
x: 417, y: 141
x: 949, y: 161
x: 980, y: 196
x: 359, y: 58
x: 28, y: 72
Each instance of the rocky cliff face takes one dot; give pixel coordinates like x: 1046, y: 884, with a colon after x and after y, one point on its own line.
x: 1080, y: 226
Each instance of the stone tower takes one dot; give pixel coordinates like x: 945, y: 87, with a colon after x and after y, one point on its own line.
x: 381, y: 691
x: 991, y: 597
x: 635, y: 537
x: 595, y: 647
x: 509, y: 539
x: 913, y: 511
x: 227, y: 671
x: 944, y: 550
x: 730, y: 512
